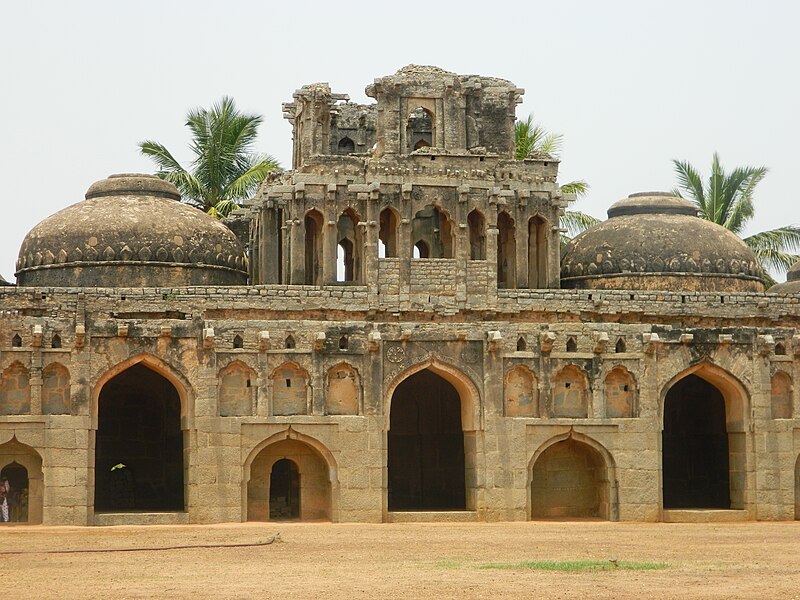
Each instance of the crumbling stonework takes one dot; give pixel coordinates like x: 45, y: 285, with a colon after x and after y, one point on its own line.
x: 432, y: 371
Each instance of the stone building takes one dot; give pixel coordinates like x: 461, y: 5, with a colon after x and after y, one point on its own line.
x: 390, y: 331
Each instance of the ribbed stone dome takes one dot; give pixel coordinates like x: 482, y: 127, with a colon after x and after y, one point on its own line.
x: 654, y: 240
x: 792, y: 283
x: 131, y: 231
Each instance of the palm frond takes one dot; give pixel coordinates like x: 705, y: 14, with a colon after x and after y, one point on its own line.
x: 579, y: 187
x: 575, y: 222
x: 776, y: 249
x: 690, y: 183
x: 247, y: 183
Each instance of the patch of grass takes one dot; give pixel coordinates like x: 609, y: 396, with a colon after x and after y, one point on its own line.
x: 577, y: 566
x: 447, y: 564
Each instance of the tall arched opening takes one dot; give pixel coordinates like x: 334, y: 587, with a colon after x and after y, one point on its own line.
x: 289, y: 479
x: 139, y: 448
x: 426, y: 463
x: 313, y: 247
x: 537, y: 253
x: 21, y: 479
x: 696, y: 465
x: 569, y: 480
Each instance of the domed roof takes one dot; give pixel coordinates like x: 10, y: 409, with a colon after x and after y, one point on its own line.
x: 792, y: 283
x: 131, y: 231
x: 655, y: 240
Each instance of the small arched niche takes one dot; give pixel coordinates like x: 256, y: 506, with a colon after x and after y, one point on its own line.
x: 290, y: 390
x: 570, y: 480
x: 343, y: 390
x: 781, y: 395
x: 620, y: 393
x: 346, y: 146
x: 570, y: 393
x: 236, y: 392
x: 289, y: 479
x: 21, y: 468
x: 55, y: 390
x: 521, y: 393
x: 15, y: 390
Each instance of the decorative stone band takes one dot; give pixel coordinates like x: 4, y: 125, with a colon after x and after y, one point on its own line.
x: 136, y: 263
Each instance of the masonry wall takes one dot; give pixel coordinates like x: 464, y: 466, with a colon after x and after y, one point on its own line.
x: 188, y: 335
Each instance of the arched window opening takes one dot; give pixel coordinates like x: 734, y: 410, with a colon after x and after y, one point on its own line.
x: 348, y: 259
x: 537, y: 253
x: 313, y: 248
x: 426, y: 461
x: 695, y: 455
x: 346, y: 146
x: 477, y: 235
x: 522, y: 345
x: 572, y: 344
x: 620, y: 346
x: 343, y: 343
x: 420, y: 129
x: 780, y: 349
x: 506, y: 252
x: 289, y: 343
x: 433, y: 228
x: 421, y: 250
x: 387, y: 233
x: 16, y: 341
x: 139, y: 446
x: 238, y: 342
x: 56, y: 341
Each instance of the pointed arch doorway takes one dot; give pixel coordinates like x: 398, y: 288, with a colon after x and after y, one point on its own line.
x: 426, y: 459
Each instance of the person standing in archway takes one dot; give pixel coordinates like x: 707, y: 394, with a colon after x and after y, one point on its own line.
x: 5, y: 498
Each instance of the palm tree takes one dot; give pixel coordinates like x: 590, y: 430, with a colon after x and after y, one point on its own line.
x: 532, y: 140
x: 727, y: 200
x: 225, y: 171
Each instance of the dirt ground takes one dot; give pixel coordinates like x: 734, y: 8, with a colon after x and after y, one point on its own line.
x: 319, y: 560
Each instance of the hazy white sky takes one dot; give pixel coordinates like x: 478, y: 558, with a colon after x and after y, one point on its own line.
x: 630, y: 84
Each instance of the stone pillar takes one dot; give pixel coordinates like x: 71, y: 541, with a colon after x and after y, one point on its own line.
x: 369, y: 253
x: 492, y: 233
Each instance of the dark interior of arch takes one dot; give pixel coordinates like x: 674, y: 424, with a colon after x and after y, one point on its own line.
x: 284, y: 491
x: 139, y: 426
x: 426, y: 445
x: 17, y: 477
x: 695, y: 446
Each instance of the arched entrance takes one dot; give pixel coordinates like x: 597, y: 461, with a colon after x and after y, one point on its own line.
x: 21, y: 479
x: 139, y: 444
x: 695, y: 446
x: 426, y: 445
x: 570, y: 479
x: 289, y: 479
x: 284, y: 491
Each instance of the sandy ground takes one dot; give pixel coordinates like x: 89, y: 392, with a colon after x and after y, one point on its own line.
x: 319, y: 560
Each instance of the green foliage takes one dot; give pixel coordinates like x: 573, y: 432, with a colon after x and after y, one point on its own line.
x: 727, y: 199
x: 225, y: 171
x: 574, y: 566
x: 532, y: 140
